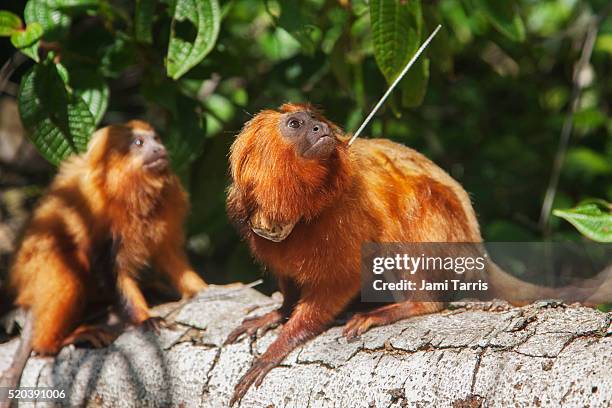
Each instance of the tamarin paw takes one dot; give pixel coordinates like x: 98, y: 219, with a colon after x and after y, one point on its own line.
x: 256, y: 326
x: 156, y: 323
x: 98, y: 336
x: 255, y: 376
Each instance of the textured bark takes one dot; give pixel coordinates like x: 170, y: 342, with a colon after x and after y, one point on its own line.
x: 484, y: 354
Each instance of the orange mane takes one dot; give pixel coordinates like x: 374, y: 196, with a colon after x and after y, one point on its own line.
x: 275, y: 179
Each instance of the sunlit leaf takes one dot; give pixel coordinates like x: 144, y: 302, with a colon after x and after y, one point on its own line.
x: 54, y: 22
x: 195, y: 26
x: 53, y: 15
x: 57, y: 122
x: 9, y: 23
x: 27, y: 40
x: 396, y: 33
x: 593, y: 218
x: 90, y: 86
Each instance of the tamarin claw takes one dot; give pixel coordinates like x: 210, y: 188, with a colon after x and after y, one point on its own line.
x: 97, y: 335
x: 255, y: 326
x: 254, y: 376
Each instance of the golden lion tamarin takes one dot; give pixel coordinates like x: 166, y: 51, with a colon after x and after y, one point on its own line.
x: 107, y: 214
x: 305, y: 203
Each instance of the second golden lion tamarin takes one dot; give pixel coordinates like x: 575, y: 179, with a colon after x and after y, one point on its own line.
x: 107, y: 214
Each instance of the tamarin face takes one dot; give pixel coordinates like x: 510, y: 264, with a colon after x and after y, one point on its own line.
x: 134, y: 146
x: 146, y: 147
x: 312, y: 138
x: 286, y: 165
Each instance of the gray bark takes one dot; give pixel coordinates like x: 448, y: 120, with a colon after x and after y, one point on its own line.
x: 484, y: 354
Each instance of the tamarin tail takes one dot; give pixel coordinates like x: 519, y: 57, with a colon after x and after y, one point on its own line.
x: 591, y: 291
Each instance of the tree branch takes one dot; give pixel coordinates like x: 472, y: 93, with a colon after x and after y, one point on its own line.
x: 477, y: 354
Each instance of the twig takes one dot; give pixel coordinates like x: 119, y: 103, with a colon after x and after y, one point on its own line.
x: 9, y: 67
x: 566, y: 131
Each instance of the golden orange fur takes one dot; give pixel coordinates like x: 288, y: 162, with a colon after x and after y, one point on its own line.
x: 102, y: 220
x: 374, y: 191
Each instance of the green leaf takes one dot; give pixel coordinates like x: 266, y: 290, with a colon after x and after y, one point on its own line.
x: 194, y: 30
x: 57, y: 122
x: 143, y: 20
x: 91, y: 87
x: 414, y: 84
x: 396, y: 33
x: 27, y: 40
x: 53, y: 15
x: 9, y: 23
x: 47, y: 13
x: 504, y: 17
x: 593, y: 218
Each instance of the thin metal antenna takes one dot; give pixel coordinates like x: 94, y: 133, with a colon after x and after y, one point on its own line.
x: 394, y: 84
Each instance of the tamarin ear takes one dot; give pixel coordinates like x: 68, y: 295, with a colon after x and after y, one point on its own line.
x: 98, y: 145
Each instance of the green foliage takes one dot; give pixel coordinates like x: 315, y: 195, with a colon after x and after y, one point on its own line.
x: 486, y: 101
x: 593, y: 218
x: 58, y: 121
x: 50, y: 14
x: 396, y: 35
x: 194, y: 30
x: 9, y: 23
x: 91, y: 87
x: 25, y: 39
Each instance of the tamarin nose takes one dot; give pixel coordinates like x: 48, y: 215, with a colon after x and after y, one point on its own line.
x: 321, y: 128
x: 159, y: 151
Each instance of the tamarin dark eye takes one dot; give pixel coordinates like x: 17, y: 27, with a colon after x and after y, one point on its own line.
x: 293, y: 123
x: 138, y: 142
